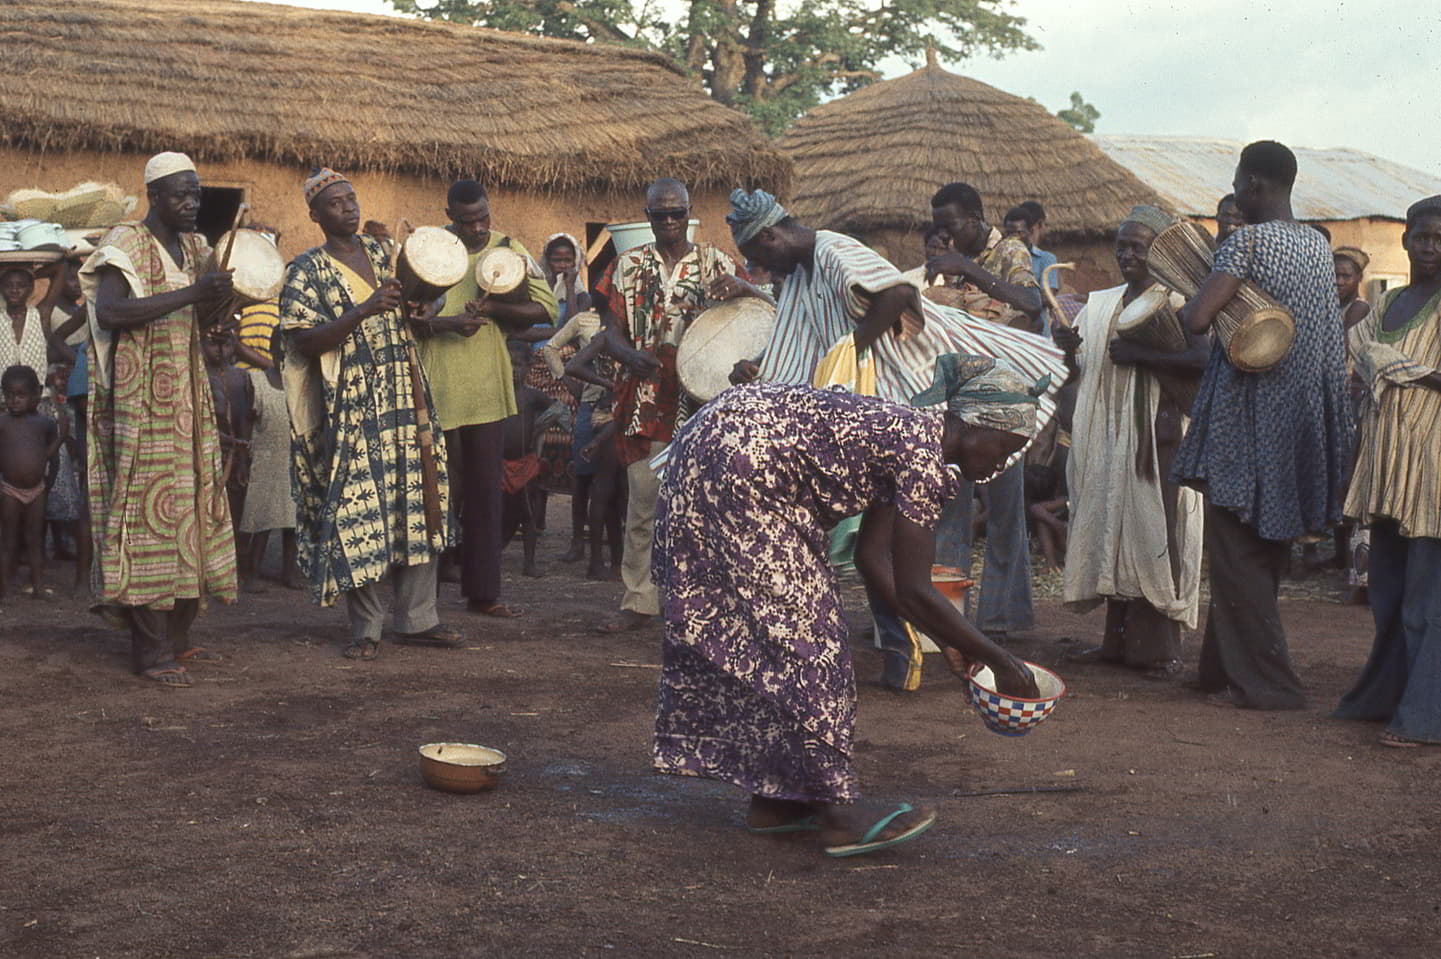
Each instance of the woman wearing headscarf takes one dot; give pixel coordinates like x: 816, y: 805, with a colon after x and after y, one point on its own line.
x: 757, y: 688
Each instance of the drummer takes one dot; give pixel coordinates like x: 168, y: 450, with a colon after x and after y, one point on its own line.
x: 360, y: 487
x: 1267, y: 450
x: 839, y: 291
x: 1135, y: 537
x: 470, y: 378
x: 651, y: 293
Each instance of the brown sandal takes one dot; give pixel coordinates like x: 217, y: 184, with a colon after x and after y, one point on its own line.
x: 159, y: 674
x: 199, y: 654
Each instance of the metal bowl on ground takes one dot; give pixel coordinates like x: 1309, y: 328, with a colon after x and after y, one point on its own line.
x: 1007, y: 715
x: 461, y: 767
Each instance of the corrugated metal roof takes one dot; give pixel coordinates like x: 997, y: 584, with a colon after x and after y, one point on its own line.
x: 1192, y: 173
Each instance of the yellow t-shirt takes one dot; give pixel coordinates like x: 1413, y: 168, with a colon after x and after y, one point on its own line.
x: 470, y: 376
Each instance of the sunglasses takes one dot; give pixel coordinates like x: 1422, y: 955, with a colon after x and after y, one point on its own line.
x: 676, y: 214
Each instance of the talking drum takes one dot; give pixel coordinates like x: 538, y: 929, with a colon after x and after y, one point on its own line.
x: 501, y: 272
x: 1255, y: 330
x: 431, y: 261
x: 259, y: 269
x: 1150, y: 320
x: 717, y: 339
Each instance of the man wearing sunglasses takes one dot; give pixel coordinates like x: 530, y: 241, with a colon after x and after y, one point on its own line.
x: 648, y: 296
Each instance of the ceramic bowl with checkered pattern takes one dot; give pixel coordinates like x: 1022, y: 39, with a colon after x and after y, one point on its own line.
x: 1014, y: 717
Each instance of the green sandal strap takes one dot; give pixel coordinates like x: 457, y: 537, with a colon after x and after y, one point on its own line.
x: 885, y: 821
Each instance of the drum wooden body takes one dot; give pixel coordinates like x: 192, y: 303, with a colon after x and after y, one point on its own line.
x: 1255, y: 329
x: 431, y: 261
x: 717, y: 339
x: 1150, y: 320
x: 259, y: 267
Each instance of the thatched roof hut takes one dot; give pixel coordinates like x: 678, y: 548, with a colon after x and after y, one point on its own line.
x: 868, y: 163
x: 238, y: 84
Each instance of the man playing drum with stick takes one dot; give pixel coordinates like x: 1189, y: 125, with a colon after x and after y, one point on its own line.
x: 367, y: 499
x: 1135, y: 537
x: 1267, y: 450
x: 158, y: 512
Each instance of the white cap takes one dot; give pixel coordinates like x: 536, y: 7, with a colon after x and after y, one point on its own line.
x: 164, y: 164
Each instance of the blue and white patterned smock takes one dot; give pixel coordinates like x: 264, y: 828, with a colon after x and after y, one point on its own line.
x: 1271, y: 447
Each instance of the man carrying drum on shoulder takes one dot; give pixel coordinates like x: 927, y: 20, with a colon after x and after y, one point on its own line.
x: 469, y: 370
x: 1267, y: 450
x: 1135, y: 537
x: 370, y: 508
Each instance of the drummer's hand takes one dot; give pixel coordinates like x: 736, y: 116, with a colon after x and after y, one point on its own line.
x: 744, y: 372
x: 949, y: 264
x: 588, y: 451
x: 641, y: 363
x: 385, y: 298
x: 1126, y: 353
x: 728, y: 288
x: 215, y: 286
x: 1067, y: 338
x: 422, y: 317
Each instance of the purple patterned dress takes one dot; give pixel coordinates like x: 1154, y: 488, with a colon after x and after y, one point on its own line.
x: 756, y: 688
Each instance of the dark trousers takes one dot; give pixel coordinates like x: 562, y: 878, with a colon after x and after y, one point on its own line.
x: 479, y: 451
x: 157, y: 636
x: 1401, y: 684
x: 1245, y: 646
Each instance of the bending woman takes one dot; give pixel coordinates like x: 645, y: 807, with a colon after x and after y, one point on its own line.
x: 757, y: 688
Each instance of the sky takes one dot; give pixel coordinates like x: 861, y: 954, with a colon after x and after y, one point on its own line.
x: 1364, y: 75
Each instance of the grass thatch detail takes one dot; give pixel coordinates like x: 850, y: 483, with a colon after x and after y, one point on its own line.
x: 871, y: 160
x: 228, y: 81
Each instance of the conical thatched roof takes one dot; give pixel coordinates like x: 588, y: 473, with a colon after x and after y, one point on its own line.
x: 871, y: 160
x: 228, y: 81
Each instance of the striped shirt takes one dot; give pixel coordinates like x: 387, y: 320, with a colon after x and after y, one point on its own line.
x: 823, y: 303
x: 1398, y: 460
x: 257, y: 323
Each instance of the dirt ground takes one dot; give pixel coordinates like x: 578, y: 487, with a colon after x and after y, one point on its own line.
x: 275, y: 809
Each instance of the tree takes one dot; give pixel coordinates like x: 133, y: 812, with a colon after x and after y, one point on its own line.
x: 1081, y: 114
x: 774, y: 59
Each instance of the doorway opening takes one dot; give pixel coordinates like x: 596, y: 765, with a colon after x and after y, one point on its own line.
x: 218, y: 205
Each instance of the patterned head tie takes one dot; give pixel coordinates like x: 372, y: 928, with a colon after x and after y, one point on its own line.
x: 318, y: 180
x: 162, y: 165
x: 986, y: 392
x: 1356, y: 256
x: 1152, y: 218
x: 752, y: 212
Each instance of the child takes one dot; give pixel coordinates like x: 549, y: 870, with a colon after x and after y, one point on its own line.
x: 64, y: 504
x: 27, y: 442
x: 524, y: 433
x: 269, y: 503
x: 234, y: 413
x: 608, y: 483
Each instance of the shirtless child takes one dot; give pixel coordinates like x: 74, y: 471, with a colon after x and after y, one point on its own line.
x: 27, y: 442
x: 521, y: 472
x: 234, y: 396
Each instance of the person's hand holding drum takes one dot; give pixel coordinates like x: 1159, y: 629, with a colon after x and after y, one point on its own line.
x: 744, y: 372
x: 1124, y: 352
x: 214, y: 287
x: 385, y: 298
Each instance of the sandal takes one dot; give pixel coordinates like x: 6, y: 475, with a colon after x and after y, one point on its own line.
x: 364, y: 649
x: 439, y: 636
x: 869, y: 842
x: 1397, y: 741
x: 199, y: 654
x: 171, y: 677
x: 497, y: 609
x: 1167, y: 669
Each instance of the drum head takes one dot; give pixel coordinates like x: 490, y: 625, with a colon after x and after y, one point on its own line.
x: 500, y: 270
x: 1151, y: 319
x: 259, y: 267
x: 436, y: 256
x: 735, y: 330
x: 1262, y: 341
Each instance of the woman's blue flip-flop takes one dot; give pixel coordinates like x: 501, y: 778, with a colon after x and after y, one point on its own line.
x: 868, y: 843
x: 806, y: 824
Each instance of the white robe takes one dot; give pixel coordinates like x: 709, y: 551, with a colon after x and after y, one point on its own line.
x: 1117, y: 546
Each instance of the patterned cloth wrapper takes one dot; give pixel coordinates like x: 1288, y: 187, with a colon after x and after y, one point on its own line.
x: 986, y: 392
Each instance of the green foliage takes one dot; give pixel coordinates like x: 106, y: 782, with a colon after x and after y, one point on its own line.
x: 1080, y: 115
x: 773, y: 59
